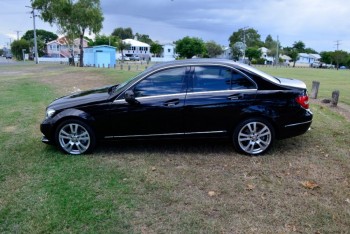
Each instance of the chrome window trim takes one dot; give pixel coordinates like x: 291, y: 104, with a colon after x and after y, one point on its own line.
x: 296, y: 124
x: 149, y: 97
x: 164, y: 134
x: 190, y: 65
x: 223, y: 91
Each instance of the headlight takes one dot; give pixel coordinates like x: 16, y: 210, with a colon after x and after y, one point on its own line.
x: 49, y: 113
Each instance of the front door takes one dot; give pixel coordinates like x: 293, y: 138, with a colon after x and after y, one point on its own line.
x: 159, y: 109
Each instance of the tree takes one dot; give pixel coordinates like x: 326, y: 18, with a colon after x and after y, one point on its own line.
x: 156, y: 49
x: 327, y: 57
x: 299, y: 46
x: 253, y: 53
x: 249, y: 36
x: 340, y: 57
x: 104, y: 40
x: 190, y: 46
x: 213, y: 49
x: 73, y: 17
x: 292, y: 53
x: 17, y: 48
x: 269, y: 42
x: 144, y: 38
x: 121, y: 46
x: 44, y: 35
x: 123, y: 33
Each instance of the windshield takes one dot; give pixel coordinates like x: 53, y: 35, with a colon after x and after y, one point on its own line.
x: 127, y: 82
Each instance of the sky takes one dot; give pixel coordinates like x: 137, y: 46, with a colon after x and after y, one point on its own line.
x: 321, y: 25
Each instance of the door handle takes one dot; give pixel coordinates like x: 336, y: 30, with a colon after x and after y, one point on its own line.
x: 173, y: 102
x: 235, y: 97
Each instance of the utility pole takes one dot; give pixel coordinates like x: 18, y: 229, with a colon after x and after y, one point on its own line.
x: 35, y: 42
x: 18, y: 34
x: 277, y: 48
x: 337, y: 43
x: 244, y: 41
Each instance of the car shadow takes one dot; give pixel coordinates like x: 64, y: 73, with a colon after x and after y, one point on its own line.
x: 203, y: 147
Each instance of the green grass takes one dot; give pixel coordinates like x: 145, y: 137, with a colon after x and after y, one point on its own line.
x: 330, y: 79
x: 162, y: 187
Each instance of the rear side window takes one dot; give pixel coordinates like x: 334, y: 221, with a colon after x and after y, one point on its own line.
x: 216, y: 78
x: 165, y: 82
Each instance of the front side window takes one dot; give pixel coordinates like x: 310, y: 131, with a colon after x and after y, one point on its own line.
x: 165, y: 82
x: 216, y: 78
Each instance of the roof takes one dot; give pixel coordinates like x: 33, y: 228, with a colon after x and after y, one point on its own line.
x: 133, y: 42
x: 63, y: 41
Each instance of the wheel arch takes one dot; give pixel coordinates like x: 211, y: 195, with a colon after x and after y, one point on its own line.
x: 73, y: 114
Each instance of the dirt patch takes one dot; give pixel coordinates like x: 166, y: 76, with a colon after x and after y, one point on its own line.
x: 9, y: 129
x: 341, y: 108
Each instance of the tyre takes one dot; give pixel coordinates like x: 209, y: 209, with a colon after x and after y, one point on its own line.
x: 253, y: 136
x: 75, y: 137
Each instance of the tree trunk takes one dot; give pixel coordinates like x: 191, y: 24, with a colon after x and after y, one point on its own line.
x: 81, y: 47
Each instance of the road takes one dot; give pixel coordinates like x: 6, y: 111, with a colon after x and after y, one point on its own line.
x: 3, y: 60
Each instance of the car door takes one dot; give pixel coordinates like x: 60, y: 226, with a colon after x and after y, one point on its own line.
x: 215, y: 99
x: 158, y: 107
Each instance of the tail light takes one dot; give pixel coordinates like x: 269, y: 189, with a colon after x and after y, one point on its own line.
x: 303, y: 101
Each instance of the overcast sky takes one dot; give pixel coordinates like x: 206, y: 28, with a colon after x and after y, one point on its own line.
x: 318, y: 23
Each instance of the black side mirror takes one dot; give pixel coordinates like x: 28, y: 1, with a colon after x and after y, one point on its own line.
x: 130, y: 97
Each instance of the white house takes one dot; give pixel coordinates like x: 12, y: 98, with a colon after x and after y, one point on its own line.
x: 168, y: 51
x: 226, y: 54
x: 61, y: 48
x: 137, y: 48
x: 304, y: 58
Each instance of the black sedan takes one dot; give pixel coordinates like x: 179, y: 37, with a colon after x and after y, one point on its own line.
x: 210, y: 98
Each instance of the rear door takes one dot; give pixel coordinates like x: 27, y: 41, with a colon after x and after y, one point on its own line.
x: 215, y: 99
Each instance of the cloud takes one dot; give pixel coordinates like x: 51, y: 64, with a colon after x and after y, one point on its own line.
x: 317, y: 23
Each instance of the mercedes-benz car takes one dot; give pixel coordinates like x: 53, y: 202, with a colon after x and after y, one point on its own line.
x: 195, y: 98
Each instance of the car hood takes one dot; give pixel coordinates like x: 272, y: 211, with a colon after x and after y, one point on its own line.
x: 82, y: 98
x: 292, y: 83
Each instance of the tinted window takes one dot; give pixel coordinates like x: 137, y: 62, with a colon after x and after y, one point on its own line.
x: 214, y: 78
x: 170, y: 81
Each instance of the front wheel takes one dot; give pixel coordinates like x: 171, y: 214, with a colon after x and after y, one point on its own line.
x: 75, y: 137
x: 253, y: 136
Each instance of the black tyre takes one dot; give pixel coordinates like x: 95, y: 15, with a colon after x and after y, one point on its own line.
x: 253, y: 136
x: 75, y: 137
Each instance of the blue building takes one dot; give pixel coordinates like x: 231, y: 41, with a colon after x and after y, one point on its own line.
x: 100, y: 56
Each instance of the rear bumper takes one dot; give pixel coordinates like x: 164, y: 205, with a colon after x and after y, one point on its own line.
x: 298, y: 127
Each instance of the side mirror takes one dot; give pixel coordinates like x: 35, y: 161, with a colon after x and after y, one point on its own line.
x: 130, y: 97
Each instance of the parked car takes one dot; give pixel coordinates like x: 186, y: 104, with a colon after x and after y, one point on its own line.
x: 135, y: 58
x: 209, y: 98
x: 8, y: 56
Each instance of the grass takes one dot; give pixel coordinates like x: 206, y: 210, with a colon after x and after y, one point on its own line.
x: 163, y: 187
x: 330, y: 79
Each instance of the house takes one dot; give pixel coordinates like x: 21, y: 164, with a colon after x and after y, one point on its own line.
x: 100, y: 56
x: 168, y: 51
x: 226, y: 53
x: 137, y: 48
x: 62, y: 48
x: 264, y: 54
x: 304, y: 58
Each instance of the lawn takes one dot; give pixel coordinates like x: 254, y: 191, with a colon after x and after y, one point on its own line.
x: 166, y: 187
x: 330, y: 79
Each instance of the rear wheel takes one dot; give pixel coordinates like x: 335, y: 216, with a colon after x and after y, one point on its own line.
x: 75, y: 137
x: 253, y: 136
